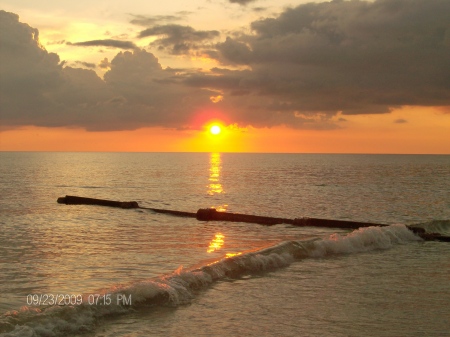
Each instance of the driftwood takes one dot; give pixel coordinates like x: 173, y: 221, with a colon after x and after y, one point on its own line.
x: 72, y: 200
x: 211, y: 214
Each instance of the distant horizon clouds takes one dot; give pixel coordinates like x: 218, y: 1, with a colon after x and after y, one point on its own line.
x: 302, y: 68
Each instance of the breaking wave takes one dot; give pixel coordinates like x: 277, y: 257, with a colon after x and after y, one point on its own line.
x: 181, y: 286
x: 437, y: 226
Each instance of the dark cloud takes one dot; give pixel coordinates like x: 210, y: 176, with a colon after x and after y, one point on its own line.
x: 27, y: 73
x: 235, y: 52
x: 245, y: 106
x: 350, y: 56
x: 105, y: 43
x: 86, y: 64
x: 179, y: 39
x: 146, y: 21
x: 36, y: 89
x: 241, y: 2
x: 302, y: 68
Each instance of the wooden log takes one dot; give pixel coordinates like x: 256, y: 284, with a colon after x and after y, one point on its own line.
x: 73, y: 200
x: 209, y: 214
x: 171, y: 212
x: 428, y: 236
x: 314, y: 222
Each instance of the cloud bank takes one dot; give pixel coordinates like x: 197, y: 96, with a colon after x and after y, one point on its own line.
x: 36, y: 89
x: 351, y: 56
x: 298, y: 69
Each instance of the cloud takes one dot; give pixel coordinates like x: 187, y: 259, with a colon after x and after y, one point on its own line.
x: 104, y: 64
x: 150, y: 95
x: 27, y: 73
x: 179, y: 39
x: 146, y: 21
x: 36, y: 89
x: 235, y: 52
x: 56, y: 42
x: 259, y: 9
x: 86, y: 64
x: 306, y: 68
x: 105, y: 43
x: 241, y: 2
x: 247, y: 107
x: 352, y: 56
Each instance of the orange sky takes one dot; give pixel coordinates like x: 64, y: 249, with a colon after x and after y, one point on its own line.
x: 426, y: 131
x: 304, y: 76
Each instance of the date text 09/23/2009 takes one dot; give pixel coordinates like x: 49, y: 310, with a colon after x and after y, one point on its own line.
x: 72, y: 299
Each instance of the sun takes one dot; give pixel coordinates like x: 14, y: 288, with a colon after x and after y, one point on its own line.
x: 215, y: 129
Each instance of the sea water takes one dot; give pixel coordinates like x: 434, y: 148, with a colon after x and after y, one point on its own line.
x: 133, y: 272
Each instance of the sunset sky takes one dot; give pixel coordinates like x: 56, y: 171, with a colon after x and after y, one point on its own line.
x: 275, y: 75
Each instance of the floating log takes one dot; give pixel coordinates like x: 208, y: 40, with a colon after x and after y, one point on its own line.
x: 420, y: 231
x: 314, y: 222
x: 170, y: 212
x: 73, y: 200
x: 211, y: 214
x: 208, y: 214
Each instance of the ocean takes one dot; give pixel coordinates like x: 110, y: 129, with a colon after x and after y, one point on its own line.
x: 84, y: 270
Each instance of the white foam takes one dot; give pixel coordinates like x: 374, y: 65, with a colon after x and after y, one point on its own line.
x: 363, y: 240
x: 179, y: 287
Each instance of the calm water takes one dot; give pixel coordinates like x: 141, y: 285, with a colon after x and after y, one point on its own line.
x: 167, y: 276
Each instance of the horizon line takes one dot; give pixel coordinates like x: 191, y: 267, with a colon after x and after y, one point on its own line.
x: 229, y: 152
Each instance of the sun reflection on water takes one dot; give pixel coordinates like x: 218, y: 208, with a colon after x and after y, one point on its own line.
x: 215, y: 165
x: 228, y: 255
x: 216, y: 243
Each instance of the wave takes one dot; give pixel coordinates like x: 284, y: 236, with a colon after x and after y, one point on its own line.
x: 437, y: 226
x: 181, y: 286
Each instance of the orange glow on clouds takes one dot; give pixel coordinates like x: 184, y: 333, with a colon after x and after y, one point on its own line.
x: 207, y: 117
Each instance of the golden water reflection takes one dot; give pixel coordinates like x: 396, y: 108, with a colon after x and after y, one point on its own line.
x: 216, y: 243
x: 228, y: 255
x: 215, y: 165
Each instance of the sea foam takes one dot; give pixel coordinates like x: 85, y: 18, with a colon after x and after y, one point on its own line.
x: 181, y: 286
